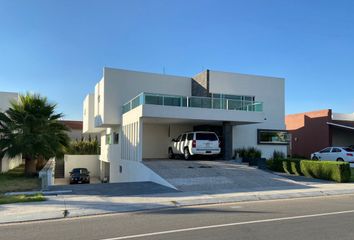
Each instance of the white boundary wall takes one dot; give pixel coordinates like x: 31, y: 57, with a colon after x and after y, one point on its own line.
x: 133, y: 171
x: 10, y: 163
x: 90, y: 162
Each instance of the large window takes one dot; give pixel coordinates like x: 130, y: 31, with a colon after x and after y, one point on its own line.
x: 276, y: 137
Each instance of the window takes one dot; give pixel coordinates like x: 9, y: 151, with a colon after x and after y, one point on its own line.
x: 326, y: 150
x: 336, y: 150
x: 108, y: 139
x: 207, y: 136
x: 178, y: 138
x: 348, y: 149
x: 190, y: 136
x: 183, y: 137
x: 115, y: 138
x: 274, y: 137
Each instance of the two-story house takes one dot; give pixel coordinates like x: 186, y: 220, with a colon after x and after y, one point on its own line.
x: 138, y: 113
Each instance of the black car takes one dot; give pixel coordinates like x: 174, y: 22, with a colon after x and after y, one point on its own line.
x: 79, y: 175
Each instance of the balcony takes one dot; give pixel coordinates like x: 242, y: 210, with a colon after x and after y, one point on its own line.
x: 193, y: 102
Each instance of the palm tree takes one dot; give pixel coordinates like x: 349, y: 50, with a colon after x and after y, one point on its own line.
x: 30, y: 127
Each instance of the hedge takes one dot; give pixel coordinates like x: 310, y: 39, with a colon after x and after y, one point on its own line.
x: 292, y: 166
x: 336, y: 171
x: 328, y: 170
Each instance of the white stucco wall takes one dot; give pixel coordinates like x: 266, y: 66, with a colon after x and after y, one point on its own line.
x: 99, y: 100
x: 10, y: 163
x: 121, y: 86
x: 6, y: 98
x: 90, y: 162
x: 88, y: 114
x: 268, y: 90
x: 133, y: 171
x: 157, y: 138
x: 343, y: 116
x: 5, y: 102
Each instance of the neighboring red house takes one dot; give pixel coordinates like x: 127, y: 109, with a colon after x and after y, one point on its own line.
x: 313, y: 131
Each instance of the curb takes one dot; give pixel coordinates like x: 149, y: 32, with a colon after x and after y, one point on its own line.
x: 45, y: 193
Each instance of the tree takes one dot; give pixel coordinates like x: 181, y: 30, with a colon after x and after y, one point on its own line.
x: 30, y: 127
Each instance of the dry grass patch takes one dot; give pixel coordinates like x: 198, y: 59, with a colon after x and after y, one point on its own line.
x: 15, y: 181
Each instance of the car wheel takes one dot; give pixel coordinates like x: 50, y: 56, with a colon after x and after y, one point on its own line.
x: 340, y: 160
x: 315, y: 158
x: 170, y: 154
x: 186, y: 154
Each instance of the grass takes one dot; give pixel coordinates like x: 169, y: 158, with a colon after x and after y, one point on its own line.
x: 352, y: 175
x: 21, y: 198
x: 15, y: 181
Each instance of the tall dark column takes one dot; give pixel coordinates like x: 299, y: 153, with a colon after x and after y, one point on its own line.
x: 227, y: 132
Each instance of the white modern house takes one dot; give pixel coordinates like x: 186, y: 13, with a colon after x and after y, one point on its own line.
x: 7, y: 163
x: 138, y: 113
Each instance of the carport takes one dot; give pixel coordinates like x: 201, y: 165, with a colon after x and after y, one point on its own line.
x: 147, y: 131
x: 342, y: 133
x: 158, y: 134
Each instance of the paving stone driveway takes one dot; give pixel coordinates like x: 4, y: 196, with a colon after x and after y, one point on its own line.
x: 219, y: 176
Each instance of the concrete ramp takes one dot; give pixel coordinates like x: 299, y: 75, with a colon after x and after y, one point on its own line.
x: 218, y: 176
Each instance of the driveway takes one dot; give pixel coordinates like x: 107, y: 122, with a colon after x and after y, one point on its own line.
x: 219, y: 176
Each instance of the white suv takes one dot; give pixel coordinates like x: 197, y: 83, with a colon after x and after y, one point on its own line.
x: 194, y: 143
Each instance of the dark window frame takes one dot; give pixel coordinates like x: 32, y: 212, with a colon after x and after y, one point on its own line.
x: 336, y: 150
x: 260, y: 131
x: 322, y: 151
x: 115, y: 138
x: 184, y: 137
x: 190, y: 136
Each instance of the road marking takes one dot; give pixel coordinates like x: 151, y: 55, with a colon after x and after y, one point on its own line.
x: 226, y: 225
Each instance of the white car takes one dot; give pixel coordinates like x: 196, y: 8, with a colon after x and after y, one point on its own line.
x: 194, y: 143
x: 334, y: 154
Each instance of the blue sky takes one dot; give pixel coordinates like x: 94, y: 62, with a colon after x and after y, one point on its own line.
x: 59, y: 48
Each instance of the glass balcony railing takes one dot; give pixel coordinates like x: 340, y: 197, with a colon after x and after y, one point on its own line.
x: 192, y: 102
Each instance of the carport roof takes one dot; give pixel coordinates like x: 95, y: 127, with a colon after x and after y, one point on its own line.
x: 349, y: 125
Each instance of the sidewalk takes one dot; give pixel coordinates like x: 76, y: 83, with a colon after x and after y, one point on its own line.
x: 84, y: 205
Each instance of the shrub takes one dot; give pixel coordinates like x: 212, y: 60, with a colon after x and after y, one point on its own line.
x: 250, y: 153
x: 278, y: 155
x: 336, y: 171
x: 276, y: 165
x: 84, y: 148
x: 241, y: 152
x: 292, y: 166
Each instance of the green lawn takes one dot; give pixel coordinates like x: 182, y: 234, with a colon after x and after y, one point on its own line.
x: 21, y: 198
x: 15, y: 181
x: 352, y: 175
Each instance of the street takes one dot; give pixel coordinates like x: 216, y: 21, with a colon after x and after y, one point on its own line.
x: 307, y: 218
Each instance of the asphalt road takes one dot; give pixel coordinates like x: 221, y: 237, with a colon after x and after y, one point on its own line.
x: 310, y: 218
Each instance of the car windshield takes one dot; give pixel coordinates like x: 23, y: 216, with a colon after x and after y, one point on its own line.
x: 349, y: 149
x: 206, y: 136
x: 79, y: 170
